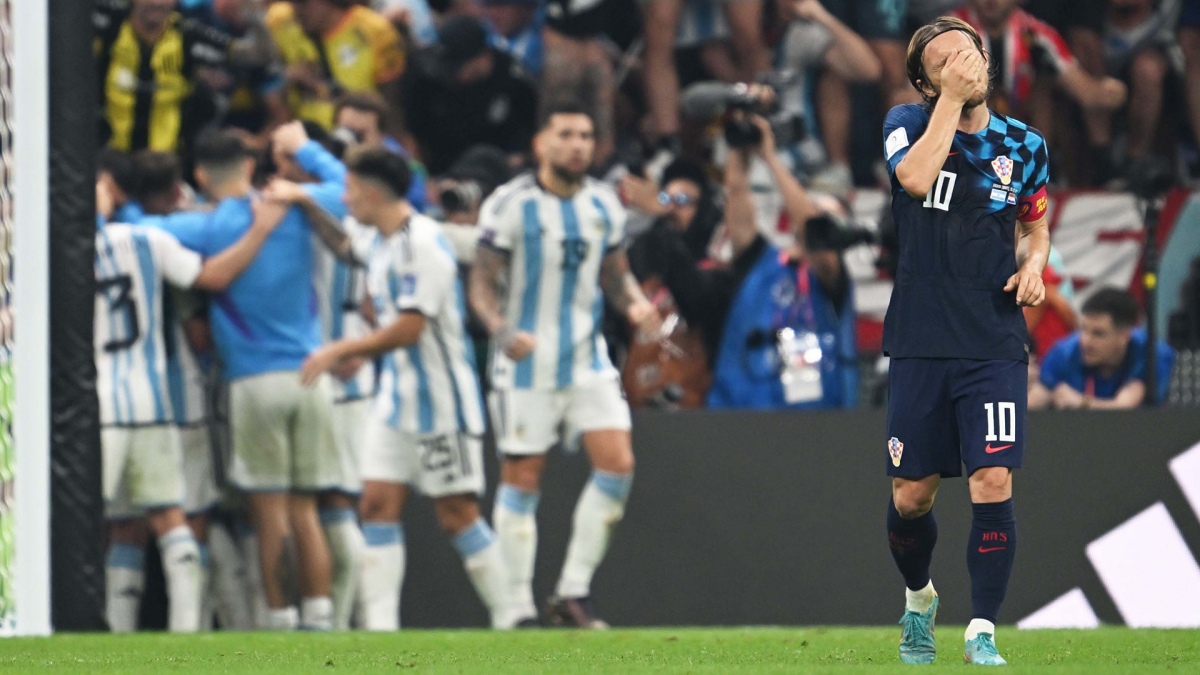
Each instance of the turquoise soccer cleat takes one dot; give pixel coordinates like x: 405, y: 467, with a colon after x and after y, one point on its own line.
x: 981, y: 651
x: 917, y: 645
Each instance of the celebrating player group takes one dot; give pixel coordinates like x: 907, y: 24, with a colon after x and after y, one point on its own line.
x: 355, y: 292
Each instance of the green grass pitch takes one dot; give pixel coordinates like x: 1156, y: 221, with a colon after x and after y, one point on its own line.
x: 684, y: 650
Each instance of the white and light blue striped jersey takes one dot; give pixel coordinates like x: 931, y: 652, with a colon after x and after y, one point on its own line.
x: 555, y: 249
x: 432, y: 386
x: 340, y: 292
x: 185, y: 377
x: 131, y: 264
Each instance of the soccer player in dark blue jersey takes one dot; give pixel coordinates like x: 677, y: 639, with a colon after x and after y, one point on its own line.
x: 969, y: 202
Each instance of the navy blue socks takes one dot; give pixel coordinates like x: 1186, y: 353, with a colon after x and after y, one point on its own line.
x: 990, y: 552
x: 912, y: 543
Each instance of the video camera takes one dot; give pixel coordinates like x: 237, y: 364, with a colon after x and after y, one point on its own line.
x: 711, y: 100
x: 827, y: 232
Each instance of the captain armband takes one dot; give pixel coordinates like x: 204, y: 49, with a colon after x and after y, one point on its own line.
x: 1033, y: 207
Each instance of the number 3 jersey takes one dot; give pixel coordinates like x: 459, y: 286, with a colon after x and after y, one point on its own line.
x: 431, y: 386
x: 131, y: 373
x: 957, y: 245
x: 556, y: 248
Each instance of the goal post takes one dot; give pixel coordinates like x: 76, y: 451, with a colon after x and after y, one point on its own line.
x: 27, y: 54
x: 53, y: 511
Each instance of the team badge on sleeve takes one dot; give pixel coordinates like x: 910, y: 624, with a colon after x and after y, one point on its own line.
x: 896, y: 450
x: 896, y: 141
x: 1003, y: 166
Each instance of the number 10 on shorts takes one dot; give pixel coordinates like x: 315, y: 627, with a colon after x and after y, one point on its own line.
x: 1007, y: 421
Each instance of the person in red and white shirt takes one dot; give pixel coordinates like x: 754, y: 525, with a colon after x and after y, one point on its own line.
x: 1023, y: 50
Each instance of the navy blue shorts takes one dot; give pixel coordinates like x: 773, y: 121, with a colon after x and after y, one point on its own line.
x: 946, y: 413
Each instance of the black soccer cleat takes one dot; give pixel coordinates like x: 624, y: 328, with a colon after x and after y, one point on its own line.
x: 574, y: 613
x: 528, y: 622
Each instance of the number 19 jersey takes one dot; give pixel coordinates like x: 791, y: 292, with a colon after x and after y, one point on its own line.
x: 131, y: 264
x: 555, y: 248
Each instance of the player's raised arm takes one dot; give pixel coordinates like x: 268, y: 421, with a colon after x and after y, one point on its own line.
x: 963, y: 75
x: 324, y: 224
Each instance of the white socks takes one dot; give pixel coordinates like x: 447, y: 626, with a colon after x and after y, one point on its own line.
x: 978, y: 626
x: 125, y: 582
x: 601, y: 506
x: 485, y: 566
x: 181, y: 567
x: 919, y: 601
x: 382, y: 576
x: 515, y: 518
x: 286, y: 618
x: 316, y: 613
x: 346, y: 548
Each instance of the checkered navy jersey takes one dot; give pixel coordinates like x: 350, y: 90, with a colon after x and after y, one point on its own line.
x: 957, y: 243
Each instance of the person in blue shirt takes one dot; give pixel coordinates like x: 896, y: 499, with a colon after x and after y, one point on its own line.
x: 1102, y: 366
x: 264, y: 325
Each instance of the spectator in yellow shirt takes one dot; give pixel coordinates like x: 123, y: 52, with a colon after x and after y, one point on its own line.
x: 157, y: 71
x: 333, y: 47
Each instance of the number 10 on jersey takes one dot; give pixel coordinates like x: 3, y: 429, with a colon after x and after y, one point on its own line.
x: 939, y: 194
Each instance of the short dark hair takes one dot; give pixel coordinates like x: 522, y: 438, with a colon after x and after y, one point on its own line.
x: 119, y: 165
x: 363, y: 101
x: 563, y: 106
x: 382, y: 166
x: 683, y: 168
x: 1120, y: 305
x: 219, y: 148
x: 158, y: 173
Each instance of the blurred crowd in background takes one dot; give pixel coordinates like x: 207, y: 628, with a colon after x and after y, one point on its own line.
x: 675, y: 86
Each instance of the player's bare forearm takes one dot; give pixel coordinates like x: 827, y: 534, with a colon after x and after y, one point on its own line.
x: 919, y: 169
x: 483, y: 287
x: 329, y: 231
x: 1128, y: 397
x: 1035, y: 242
x: 619, y: 285
x: 403, y: 332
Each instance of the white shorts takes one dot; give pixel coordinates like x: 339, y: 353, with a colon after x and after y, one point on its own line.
x: 350, y: 419
x: 531, y: 421
x: 283, y: 434
x: 142, y: 469
x: 199, y: 480
x: 437, y: 465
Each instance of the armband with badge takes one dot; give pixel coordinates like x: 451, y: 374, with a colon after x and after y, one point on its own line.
x: 1033, y: 207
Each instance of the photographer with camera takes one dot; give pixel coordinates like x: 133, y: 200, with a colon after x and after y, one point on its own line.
x: 358, y: 121
x: 788, y: 339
